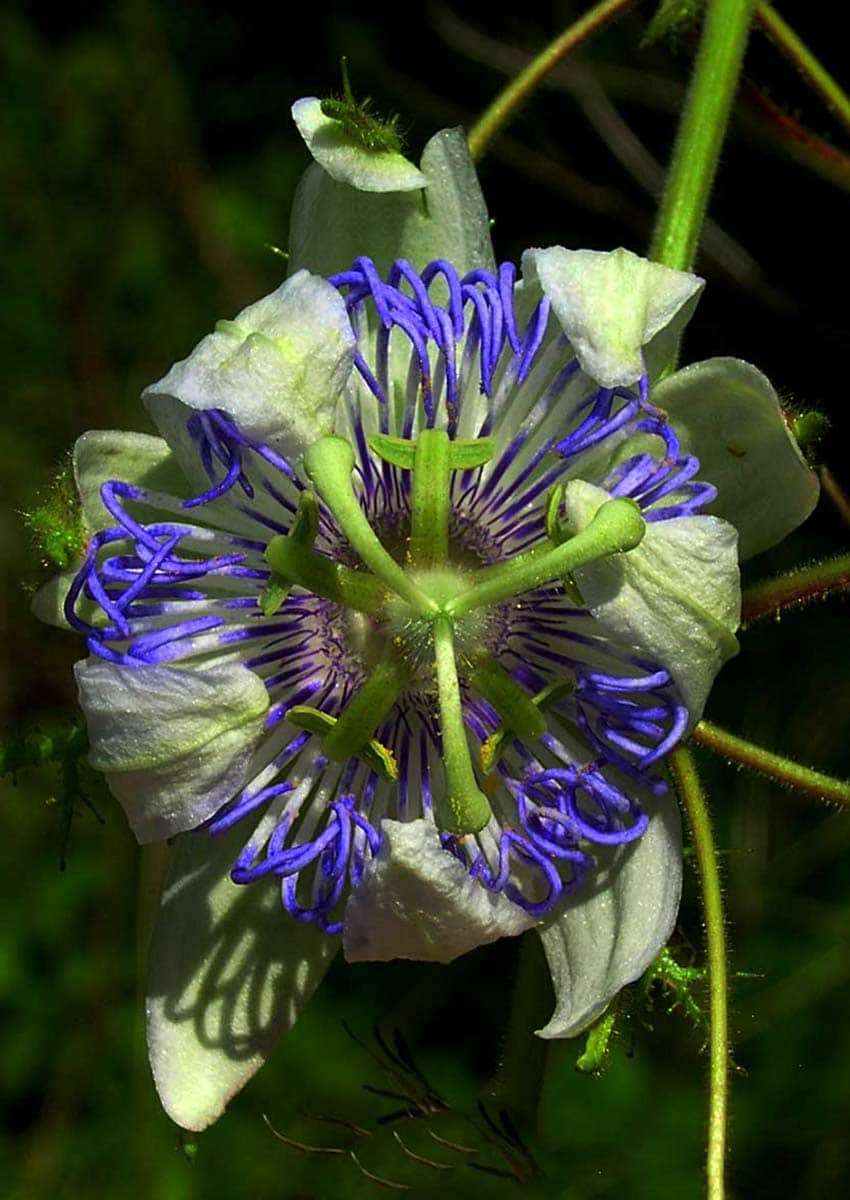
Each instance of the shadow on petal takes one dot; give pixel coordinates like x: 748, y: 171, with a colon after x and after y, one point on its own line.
x: 229, y: 973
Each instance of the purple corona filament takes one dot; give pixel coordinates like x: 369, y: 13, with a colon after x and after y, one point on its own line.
x: 184, y: 591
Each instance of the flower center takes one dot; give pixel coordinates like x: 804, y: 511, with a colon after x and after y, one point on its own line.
x: 428, y: 618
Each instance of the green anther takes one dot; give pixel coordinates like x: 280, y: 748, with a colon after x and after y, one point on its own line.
x: 305, y: 526
x: 329, y: 463
x: 464, y: 454
x: 379, y: 757
x: 616, y: 527
x: 429, y: 525
x: 554, y: 532
x: 493, y: 747
x: 465, y: 808
x: 366, y: 710
x: 510, y: 701
x: 300, y: 565
x: 304, y: 716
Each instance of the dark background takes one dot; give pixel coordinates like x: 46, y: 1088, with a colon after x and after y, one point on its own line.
x: 147, y: 159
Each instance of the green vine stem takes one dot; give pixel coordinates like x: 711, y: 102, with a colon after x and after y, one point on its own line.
x: 784, y: 770
x: 690, y: 790
x: 506, y: 105
x: 795, y: 589
x: 813, y: 71
x: 701, y: 132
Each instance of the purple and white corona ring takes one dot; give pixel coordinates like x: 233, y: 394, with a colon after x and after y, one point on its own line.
x: 407, y: 598
x: 397, y: 621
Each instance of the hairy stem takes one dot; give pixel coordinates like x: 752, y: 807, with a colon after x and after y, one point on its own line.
x: 701, y: 132
x: 506, y: 105
x: 796, y: 588
x: 774, y: 766
x: 835, y: 492
x: 693, y: 798
x: 812, y: 70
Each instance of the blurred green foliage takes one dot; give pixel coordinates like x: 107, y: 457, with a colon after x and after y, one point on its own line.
x: 146, y: 163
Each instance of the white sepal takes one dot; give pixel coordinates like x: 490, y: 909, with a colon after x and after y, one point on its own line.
x: 726, y: 413
x: 610, y: 931
x: 676, y: 597
x: 348, y: 162
x: 277, y: 369
x: 135, y: 458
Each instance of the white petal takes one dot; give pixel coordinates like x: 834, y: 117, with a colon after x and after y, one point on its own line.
x: 612, y: 304
x: 174, y: 744
x: 726, y: 413
x: 229, y: 973
x: 99, y: 455
x: 48, y: 603
x: 333, y: 223
x: 135, y: 458
x: 347, y: 162
x: 615, y: 926
x: 278, y: 369
x: 417, y: 901
x: 676, y: 596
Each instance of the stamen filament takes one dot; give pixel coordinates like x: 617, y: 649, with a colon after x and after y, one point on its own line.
x: 617, y: 526
x: 492, y: 748
x: 465, y: 808
x: 305, y: 527
x: 329, y: 463
x: 363, y: 714
x: 510, y: 701
x: 332, y: 580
